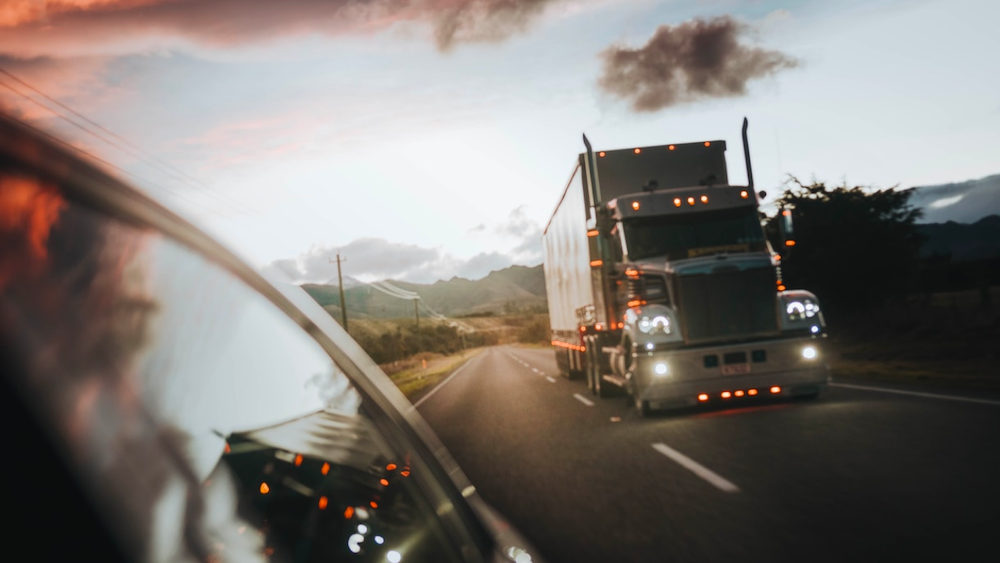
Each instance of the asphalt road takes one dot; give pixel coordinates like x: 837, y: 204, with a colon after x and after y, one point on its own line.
x: 856, y: 475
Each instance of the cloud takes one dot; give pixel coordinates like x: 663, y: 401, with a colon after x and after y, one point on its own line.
x: 63, y: 27
x: 371, y: 259
x: 684, y: 63
x: 526, y: 230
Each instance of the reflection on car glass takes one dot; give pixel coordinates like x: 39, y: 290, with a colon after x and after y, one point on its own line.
x: 203, y: 421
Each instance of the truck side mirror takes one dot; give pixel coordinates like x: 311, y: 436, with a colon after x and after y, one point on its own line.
x: 786, y: 228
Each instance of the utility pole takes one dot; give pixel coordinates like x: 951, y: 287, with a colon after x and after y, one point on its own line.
x: 340, y: 282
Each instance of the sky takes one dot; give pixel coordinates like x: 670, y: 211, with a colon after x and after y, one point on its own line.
x: 426, y: 139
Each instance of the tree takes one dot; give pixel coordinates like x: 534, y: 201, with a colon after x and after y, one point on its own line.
x: 855, y: 247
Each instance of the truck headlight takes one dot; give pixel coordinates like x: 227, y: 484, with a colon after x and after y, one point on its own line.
x: 809, y: 353
x: 658, y: 324
x: 801, y: 309
x: 661, y: 369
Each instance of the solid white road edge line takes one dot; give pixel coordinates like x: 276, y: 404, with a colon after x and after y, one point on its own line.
x: 550, y: 379
x: 442, y: 384
x: 583, y: 399
x: 916, y: 394
x: 697, y: 468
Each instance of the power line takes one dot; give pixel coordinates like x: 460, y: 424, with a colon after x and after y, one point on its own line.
x: 143, y: 156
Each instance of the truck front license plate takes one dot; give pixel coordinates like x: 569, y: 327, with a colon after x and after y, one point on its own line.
x: 736, y: 369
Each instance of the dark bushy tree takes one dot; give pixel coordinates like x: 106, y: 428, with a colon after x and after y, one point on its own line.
x: 855, y: 248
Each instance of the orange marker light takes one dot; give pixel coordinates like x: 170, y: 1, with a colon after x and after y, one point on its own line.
x: 298, y: 460
x: 785, y: 212
x: 390, y: 467
x: 744, y: 194
x: 407, y: 473
x: 777, y: 257
x: 752, y: 392
x: 671, y: 147
x: 373, y: 504
x: 708, y: 143
x: 323, y: 501
x: 592, y: 233
x: 781, y: 288
x: 690, y: 201
x: 348, y: 512
x: 704, y: 199
x: 789, y: 242
x: 596, y: 263
x: 703, y: 397
x: 264, y: 489
x: 726, y: 394
x: 634, y: 303
x: 635, y: 205
x: 621, y: 325
x: 776, y: 389
x: 738, y: 393
x: 631, y: 272
x: 637, y: 151
x: 583, y: 329
x: 677, y: 202
x: 385, y: 482
x: 227, y: 448
x: 325, y: 469
x: 598, y: 326
x: 601, y: 154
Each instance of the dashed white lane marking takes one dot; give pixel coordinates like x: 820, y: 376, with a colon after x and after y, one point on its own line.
x: 541, y: 373
x: 551, y: 380
x: 916, y: 394
x: 697, y: 468
x: 534, y: 370
x: 583, y: 399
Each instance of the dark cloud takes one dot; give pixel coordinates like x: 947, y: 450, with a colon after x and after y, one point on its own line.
x: 63, y: 28
x: 694, y: 60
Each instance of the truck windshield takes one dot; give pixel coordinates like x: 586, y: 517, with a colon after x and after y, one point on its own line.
x: 694, y: 234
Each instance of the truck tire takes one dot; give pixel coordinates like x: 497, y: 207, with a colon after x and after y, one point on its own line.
x: 641, y: 407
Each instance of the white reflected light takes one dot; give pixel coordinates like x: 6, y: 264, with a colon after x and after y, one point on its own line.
x: 809, y: 352
x: 661, y: 369
x: 354, y: 543
x: 393, y: 556
x: 379, y: 540
x: 518, y: 555
x: 362, y: 529
x: 815, y: 329
x: 650, y: 345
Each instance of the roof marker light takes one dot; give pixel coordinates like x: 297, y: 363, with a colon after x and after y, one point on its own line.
x: 703, y: 397
x: 690, y: 201
x: 637, y: 151
x: 708, y: 143
x: 726, y: 394
x: 744, y: 194
x: 671, y: 147
x: 635, y: 205
x: 601, y: 154
x: 752, y: 392
x: 677, y: 202
x: 738, y: 393
x: 775, y: 389
x: 704, y: 199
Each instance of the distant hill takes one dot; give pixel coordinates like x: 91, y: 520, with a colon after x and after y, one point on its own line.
x: 961, y: 202
x: 963, y: 241
x: 513, y: 289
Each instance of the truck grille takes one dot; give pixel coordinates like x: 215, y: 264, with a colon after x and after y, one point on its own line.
x: 728, y: 305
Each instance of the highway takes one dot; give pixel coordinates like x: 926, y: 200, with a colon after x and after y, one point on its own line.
x: 859, y: 474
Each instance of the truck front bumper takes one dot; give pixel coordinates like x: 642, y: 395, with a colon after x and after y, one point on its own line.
x: 783, y: 368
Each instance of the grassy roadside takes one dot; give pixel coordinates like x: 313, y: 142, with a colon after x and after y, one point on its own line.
x: 413, y: 379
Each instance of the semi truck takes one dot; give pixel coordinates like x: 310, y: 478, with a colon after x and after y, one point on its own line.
x: 662, y: 285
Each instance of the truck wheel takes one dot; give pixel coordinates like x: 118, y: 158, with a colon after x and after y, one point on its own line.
x: 641, y: 407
